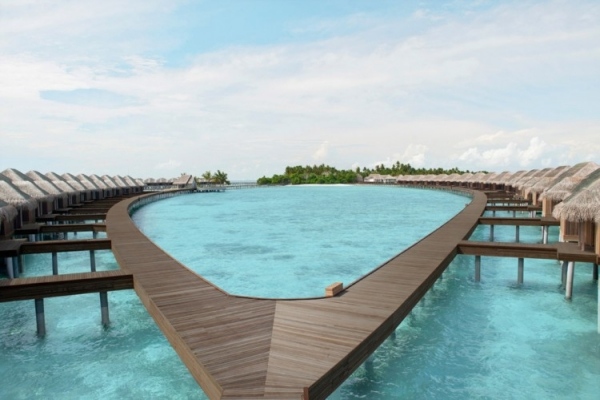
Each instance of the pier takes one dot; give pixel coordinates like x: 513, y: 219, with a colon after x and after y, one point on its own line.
x: 247, y: 348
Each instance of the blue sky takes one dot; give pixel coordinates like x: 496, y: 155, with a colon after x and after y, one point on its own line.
x: 157, y: 87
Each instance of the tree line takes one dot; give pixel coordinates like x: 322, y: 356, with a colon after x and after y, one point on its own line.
x: 322, y: 174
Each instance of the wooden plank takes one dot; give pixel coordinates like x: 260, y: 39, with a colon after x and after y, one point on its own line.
x: 65, y: 228
x: 518, y: 221
x: 80, y: 217
x: 60, y: 246
x: 519, y: 250
x: 63, y: 285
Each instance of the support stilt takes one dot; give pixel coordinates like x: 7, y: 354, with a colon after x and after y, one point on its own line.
x: 39, y: 317
x: 104, y: 308
x: 15, y: 267
x: 491, y: 233
x: 477, y: 268
x: 563, y: 277
x: 10, y: 271
x: 54, y: 263
x: 521, y: 268
x: 517, y: 233
x: 570, y: 274
x: 595, y: 272
x: 545, y: 234
x: 93, y: 260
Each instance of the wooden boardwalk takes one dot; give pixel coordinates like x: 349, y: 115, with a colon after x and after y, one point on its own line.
x: 63, y: 285
x: 246, y: 348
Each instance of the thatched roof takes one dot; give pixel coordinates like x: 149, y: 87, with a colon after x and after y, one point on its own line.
x: 26, y: 185
x: 513, y: 177
x: 563, y: 184
x: 11, y: 194
x: 501, y: 177
x: 43, y: 182
x: 118, y: 181
x: 516, y: 181
x: 88, y: 183
x: 546, y: 181
x: 489, y: 177
x: 583, y: 204
x: 131, y: 182
x: 98, y: 181
x: 139, y: 182
x: 109, y: 182
x: 74, y: 182
x: 475, y: 177
x: 7, y: 211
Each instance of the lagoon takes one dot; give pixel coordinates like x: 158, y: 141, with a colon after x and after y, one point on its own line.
x: 492, y: 339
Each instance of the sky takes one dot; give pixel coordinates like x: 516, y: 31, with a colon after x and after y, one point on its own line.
x: 156, y: 88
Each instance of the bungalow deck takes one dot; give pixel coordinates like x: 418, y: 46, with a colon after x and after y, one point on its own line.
x: 249, y: 348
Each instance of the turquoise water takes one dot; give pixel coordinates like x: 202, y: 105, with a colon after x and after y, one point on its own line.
x: 493, y: 339
x: 293, y: 241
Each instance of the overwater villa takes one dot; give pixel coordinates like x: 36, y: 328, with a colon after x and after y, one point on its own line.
x: 241, y: 347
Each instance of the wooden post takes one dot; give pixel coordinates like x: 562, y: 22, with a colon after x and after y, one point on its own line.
x: 545, y: 234
x: 10, y: 271
x: 517, y: 233
x: 570, y: 274
x: 92, y: 261
x: 563, y: 277
x: 104, y: 308
x: 54, y: 263
x: 39, y: 317
x: 493, y: 213
x: 477, y: 268
x: 491, y: 233
x: 21, y: 263
x: 514, y: 213
x: 15, y: 261
x: 595, y: 272
x: 521, y: 263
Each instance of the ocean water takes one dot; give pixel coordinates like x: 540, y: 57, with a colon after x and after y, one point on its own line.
x: 488, y: 340
x: 292, y: 242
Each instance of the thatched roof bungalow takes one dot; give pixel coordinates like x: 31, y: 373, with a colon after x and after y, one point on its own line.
x: 76, y: 194
x: 27, y: 206
x: 474, y: 181
x: 112, y: 186
x: 44, y: 183
x: 534, y: 187
x: 71, y: 180
x: 108, y: 191
x: 25, y: 184
x: 184, y: 182
x: 8, y: 215
x: 515, y: 181
x: 563, y: 184
x: 98, y: 193
x: 579, y: 213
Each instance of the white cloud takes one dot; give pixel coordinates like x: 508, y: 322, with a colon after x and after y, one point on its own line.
x: 168, y: 165
x: 321, y: 153
x: 465, y: 88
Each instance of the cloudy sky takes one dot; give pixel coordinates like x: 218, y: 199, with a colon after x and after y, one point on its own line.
x: 154, y: 88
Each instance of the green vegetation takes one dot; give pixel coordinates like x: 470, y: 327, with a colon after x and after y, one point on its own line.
x: 218, y: 177
x: 299, y: 175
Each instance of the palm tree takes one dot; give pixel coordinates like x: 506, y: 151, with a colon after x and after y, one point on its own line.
x: 207, y: 176
x: 220, y: 177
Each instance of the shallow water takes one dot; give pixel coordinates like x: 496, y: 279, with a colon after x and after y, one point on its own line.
x: 493, y: 339
x: 293, y: 241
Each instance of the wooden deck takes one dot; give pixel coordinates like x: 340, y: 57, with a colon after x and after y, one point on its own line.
x: 544, y: 221
x: 556, y: 251
x: 245, y: 348
x: 62, y: 285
